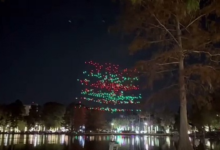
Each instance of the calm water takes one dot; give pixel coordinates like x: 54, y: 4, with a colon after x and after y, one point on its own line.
x: 63, y: 142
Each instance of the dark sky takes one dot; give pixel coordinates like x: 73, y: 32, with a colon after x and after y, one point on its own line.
x: 42, y: 54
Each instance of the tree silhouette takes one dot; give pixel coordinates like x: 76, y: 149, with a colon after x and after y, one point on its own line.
x: 69, y: 116
x: 4, y: 116
x: 180, y: 36
x: 52, y: 114
x: 79, y: 117
x: 34, y: 117
x: 75, y: 116
x: 16, y: 112
x: 206, y: 115
x: 95, y: 120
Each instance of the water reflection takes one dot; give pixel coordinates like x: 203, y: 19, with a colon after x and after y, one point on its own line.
x: 64, y: 142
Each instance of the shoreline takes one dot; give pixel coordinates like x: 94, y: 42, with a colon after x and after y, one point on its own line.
x: 89, y: 134
x: 109, y: 134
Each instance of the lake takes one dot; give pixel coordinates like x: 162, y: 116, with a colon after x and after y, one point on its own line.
x: 64, y: 142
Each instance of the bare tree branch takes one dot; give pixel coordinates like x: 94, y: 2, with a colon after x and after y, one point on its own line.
x: 159, y: 41
x: 162, y: 71
x: 167, y: 30
x: 153, y: 25
x: 204, y: 67
x: 171, y: 63
x: 159, y: 92
x: 169, y: 70
x: 160, y: 27
x: 194, y: 21
x: 207, y: 53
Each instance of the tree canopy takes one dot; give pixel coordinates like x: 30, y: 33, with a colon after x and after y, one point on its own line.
x: 16, y: 112
x: 151, y: 26
x: 52, y: 114
x: 180, y: 38
x: 95, y: 120
x: 201, y: 116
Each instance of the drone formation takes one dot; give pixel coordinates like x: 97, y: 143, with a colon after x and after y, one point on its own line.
x: 108, y: 84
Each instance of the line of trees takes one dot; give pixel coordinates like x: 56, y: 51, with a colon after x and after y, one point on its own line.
x: 208, y: 115
x: 51, y: 115
x: 200, y: 117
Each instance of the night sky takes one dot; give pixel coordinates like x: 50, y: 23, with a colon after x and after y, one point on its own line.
x: 44, y: 44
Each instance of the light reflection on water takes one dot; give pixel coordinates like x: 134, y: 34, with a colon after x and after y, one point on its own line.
x: 64, y: 142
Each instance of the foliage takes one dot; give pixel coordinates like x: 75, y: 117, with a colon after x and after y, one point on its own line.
x: 75, y: 116
x: 95, y: 120
x: 34, y: 117
x: 119, y: 122
x: 79, y: 117
x: 11, y: 114
x: 52, y: 114
x: 16, y: 112
x: 154, y: 25
x: 202, y: 116
x: 147, y: 24
x: 4, y: 115
x: 21, y: 125
x: 69, y: 116
x: 180, y: 36
x: 166, y: 118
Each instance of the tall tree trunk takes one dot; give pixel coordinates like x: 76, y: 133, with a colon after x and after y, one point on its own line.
x: 184, y: 143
